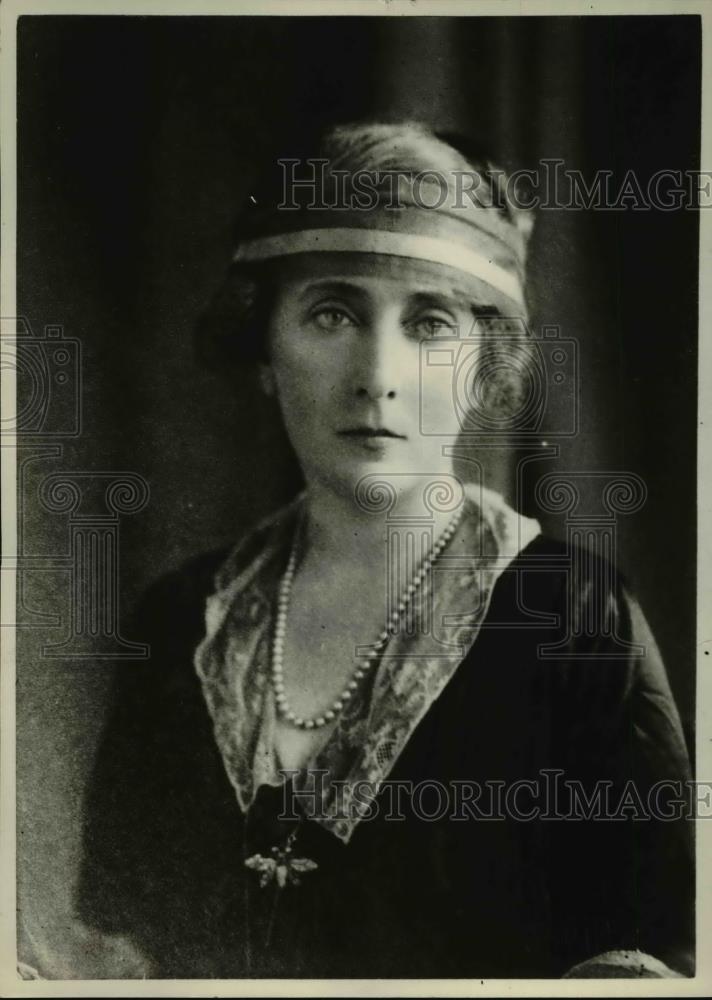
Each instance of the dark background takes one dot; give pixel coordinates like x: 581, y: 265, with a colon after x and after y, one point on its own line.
x: 136, y: 138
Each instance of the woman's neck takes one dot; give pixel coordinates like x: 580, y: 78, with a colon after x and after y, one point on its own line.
x: 340, y: 530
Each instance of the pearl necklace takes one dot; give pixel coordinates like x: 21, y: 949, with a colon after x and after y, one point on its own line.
x: 365, y: 662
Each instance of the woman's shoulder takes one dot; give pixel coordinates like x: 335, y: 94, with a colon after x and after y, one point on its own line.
x: 202, y: 574
x: 597, y: 639
x: 572, y: 615
x: 570, y: 572
x: 184, y: 585
x: 560, y: 570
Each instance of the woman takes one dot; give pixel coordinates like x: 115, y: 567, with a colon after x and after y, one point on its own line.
x: 333, y: 764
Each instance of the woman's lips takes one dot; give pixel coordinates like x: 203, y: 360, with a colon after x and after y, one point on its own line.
x: 372, y: 439
x: 371, y: 432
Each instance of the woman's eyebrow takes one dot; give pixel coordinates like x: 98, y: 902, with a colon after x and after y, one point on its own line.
x: 453, y: 301
x: 332, y: 287
x: 441, y: 300
x: 434, y: 299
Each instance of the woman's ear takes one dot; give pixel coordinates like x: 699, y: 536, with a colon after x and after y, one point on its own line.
x: 267, y: 380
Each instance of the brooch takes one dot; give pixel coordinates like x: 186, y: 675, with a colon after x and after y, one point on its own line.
x: 281, y: 868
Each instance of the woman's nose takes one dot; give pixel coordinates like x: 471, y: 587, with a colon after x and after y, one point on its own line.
x: 379, y: 362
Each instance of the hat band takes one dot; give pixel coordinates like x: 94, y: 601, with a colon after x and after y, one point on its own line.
x: 414, y: 246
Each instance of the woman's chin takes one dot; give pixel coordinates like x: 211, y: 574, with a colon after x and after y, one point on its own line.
x: 368, y: 482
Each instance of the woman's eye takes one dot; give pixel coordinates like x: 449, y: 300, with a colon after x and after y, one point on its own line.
x: 433, y: 326
x: 330, y: 318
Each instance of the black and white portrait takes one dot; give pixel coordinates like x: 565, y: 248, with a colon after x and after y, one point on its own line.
x: 356, y: 363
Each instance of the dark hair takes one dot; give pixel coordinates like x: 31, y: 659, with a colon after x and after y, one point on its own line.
x: 232, y: 331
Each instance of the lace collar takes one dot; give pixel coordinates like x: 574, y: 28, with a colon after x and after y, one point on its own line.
x: 233, y: 660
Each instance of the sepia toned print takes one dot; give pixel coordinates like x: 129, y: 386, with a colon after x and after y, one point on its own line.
x: 355, y: 631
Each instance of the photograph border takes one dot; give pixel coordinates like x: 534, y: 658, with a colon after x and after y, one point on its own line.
x: 11, y: 983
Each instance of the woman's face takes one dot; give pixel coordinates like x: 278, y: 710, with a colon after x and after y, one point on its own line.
x: 351, y: 356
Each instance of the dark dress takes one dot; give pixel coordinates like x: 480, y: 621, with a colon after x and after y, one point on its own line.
x: 166, y: 841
